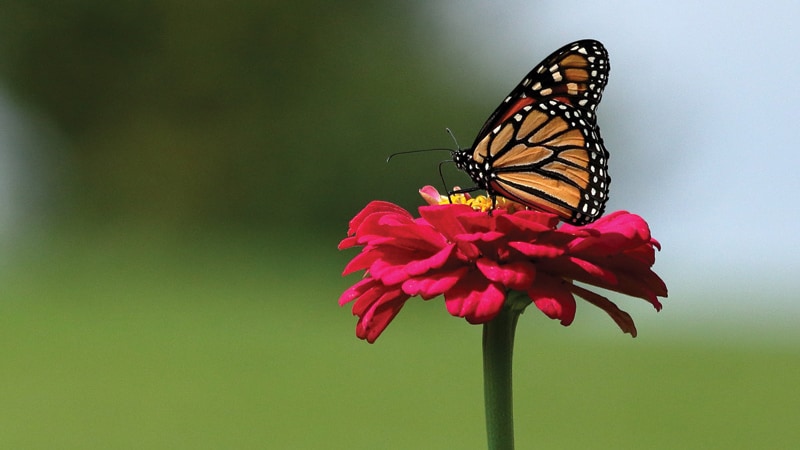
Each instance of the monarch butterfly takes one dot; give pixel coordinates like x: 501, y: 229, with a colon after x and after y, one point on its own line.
x: 541, y: 147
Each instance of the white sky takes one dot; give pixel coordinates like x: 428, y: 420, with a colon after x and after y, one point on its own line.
x: 701, y: 119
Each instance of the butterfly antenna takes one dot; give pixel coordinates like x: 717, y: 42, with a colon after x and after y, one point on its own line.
x: 389, y: 158
x: 441, y: 176
x: 450, y: 132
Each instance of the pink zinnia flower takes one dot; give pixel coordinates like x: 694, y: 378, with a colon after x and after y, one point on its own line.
x: 475, y: 259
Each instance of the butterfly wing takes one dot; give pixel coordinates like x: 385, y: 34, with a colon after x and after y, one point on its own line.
x: 548, y: 155
x: 575, y: 74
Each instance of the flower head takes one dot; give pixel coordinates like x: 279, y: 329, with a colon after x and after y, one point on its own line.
x: 474, y: 259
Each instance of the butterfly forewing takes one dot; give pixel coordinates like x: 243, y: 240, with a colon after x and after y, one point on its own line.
x: 575, y: 74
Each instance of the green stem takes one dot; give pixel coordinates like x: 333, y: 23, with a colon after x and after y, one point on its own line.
x: 498, y: 348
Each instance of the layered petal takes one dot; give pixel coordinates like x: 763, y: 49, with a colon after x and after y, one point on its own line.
x: 474, y: 258
x: 475, y: 298
x: 516, y: 275
x: 433, y: 285
x: 554, y: 298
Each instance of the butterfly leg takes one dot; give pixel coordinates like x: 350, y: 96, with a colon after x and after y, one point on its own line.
x: 462, y: 191
x: 493, y: 197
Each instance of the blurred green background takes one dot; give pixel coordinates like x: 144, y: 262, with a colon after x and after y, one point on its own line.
x: 169, y: 273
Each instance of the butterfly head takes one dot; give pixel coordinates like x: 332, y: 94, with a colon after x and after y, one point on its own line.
x: 479, y: 170
x: 462, y: 159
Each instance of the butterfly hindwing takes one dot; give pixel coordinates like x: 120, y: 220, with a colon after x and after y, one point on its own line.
x: 547, y: 155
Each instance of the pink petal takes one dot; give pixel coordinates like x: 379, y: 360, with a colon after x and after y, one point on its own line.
x: 594, y: 270
x: 528, y: 221
x: 619, y: 231
x: 477, y: 221
x: 379, y: 314
x: 515, y: 275
x: 488, y: 236
x: 395, y: 265
x: 432, y: 285
x: 467, y: 251
x: 430, y: 195
x: 435, y: 261
x: 415, y: 235
x: 361, y: 261
x: 357, y: 290
x: 623, y: 319
x: 554, y: 298
x: 444, y: 218
x: 374, y: 207
x: 537, y: 250
x: 475, y: 298
x: 347, y: 242
x: 389, y: 270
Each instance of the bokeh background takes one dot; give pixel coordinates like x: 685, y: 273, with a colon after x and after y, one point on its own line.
x: 174, y: 180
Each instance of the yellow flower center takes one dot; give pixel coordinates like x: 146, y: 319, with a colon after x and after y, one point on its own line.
x: 480, y: 202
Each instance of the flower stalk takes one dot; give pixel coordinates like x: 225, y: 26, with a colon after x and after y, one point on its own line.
x: 498, y: 350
